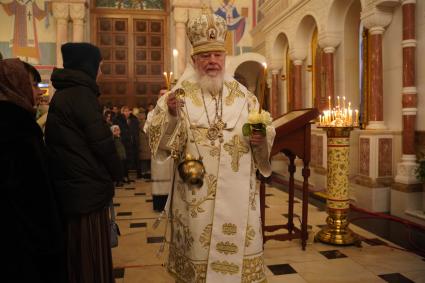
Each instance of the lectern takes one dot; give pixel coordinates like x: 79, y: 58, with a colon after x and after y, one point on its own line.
x: 292, y: 139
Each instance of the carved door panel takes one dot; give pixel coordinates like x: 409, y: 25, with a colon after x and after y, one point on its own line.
x: 133, y: 50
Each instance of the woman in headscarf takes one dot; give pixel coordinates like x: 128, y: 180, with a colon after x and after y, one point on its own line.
x: 84, y: 163
x: 33, y: 246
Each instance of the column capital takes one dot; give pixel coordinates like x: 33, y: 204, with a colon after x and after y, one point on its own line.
x: 329, y: 49
x: 274, y: 64
x: 329, y: 40
x: 376, y: 19
x: 405, y: 2
x: 60, y: 10
x: 77, y: 11
x: 180, y: 15
x: 297, y: 54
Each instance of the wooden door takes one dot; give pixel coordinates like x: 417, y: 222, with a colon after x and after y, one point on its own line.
x: 133, y: 46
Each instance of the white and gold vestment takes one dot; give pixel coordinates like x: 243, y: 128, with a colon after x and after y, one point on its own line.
x: 216, y: 229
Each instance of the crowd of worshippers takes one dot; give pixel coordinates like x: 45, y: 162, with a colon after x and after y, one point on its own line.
x: 60, y: 161
x: 130, y: 139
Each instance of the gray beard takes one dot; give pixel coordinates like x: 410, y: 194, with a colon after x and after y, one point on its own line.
x: 213, y: 85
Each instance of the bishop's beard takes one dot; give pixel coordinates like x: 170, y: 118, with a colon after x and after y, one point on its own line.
x: 213, y: 85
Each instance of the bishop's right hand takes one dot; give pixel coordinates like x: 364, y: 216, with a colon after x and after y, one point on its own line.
x: 173, y: 103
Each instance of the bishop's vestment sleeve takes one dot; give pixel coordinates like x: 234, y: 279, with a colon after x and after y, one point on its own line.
x: 166, y: 132
x: 261, y: 153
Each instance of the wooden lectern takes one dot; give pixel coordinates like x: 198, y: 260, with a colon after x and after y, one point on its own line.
x: 292, y: 139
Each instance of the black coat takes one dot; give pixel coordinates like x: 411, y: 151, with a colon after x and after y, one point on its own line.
x: 82, y: 155
x: 33, y: 245
x: 129, y: 134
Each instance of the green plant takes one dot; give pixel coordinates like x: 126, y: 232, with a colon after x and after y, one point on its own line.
x: 420, y: 171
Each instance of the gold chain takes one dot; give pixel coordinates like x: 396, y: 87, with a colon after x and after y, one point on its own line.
x: 215, y: 129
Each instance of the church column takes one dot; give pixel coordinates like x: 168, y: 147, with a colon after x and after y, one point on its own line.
x: 376, y: 145
x: 329, y: 41
x: 297, y: 83
x: 77, y: 13
x: 328, y: 62
x: 297, y: 55
x: 60, y: 13
x: 376, y: 20
x: 180, y: 19
x: 406, y: 186
x: 409, y: 95
x: 274, y: 93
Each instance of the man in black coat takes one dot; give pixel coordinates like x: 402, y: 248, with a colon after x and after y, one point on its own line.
x: 84, y: 163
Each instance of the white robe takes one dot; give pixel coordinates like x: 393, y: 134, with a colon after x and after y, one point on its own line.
x: 216, y: 229
x: 161, y: 170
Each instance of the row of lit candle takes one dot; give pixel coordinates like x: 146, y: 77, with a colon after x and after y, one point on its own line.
x: 339, y: 116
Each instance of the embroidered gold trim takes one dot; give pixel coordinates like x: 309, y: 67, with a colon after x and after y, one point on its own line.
x: 183, y: 269
x: 234, y: 91
x: 191, y: 90
x: 225, y: 267
x: 182, y: 235
x: 236, y: 148
x: 205, y: 237
x: 226, y: 248
x: 250, y: 235
x: 253, y: 270
x: 229, y: 229
x: 195, y: 205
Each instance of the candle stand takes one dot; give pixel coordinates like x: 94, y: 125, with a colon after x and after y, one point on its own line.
x: 338, y: 124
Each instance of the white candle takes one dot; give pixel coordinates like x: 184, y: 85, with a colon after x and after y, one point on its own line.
x: 175, y: 63
x: 357, y: 117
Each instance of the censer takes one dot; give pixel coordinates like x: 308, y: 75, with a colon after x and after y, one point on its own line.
x: 191, y: 169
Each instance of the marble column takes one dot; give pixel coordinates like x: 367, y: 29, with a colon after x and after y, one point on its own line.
x: 375, y: 20
x: 275, y: 93
x: 77, y: 13
x: 328, y: 64
x: 297, y: 83
x: 376, y: 112
x: 408, y: 164
x: 180, y: 19
x: 61, y: 14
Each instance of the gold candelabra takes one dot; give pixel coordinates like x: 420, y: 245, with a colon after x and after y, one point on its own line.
x: 338, y: 122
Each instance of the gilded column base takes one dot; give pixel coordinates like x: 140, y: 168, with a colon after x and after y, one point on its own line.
x: 337, y: 232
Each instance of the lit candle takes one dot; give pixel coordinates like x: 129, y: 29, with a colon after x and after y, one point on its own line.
x: 329, y: 100
x: 263, y: 87
x: 343, y: 103
x: 166, y: 80
x: 356, y: 121
x: 175, y: 56
x: 339, y: 106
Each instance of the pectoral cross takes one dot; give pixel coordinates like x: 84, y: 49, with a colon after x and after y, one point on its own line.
x: 234, y: 91
x: 236, y: 148
x: 29, y: 15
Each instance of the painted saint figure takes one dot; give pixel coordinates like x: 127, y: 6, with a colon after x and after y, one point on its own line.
x: 25, y: 40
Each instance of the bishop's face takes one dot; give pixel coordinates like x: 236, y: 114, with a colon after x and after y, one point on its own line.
x: 210, y: 63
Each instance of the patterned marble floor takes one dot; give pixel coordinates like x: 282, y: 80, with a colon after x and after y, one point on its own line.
x: 136, y: 258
